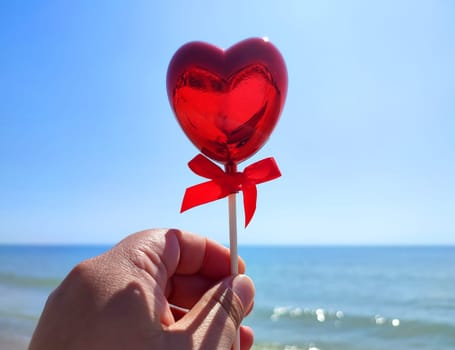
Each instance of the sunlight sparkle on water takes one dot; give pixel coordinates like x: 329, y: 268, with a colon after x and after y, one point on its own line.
x: 395, y: 322
x: 339, y: 314
x: 379, y: 319
x: 320, y: 315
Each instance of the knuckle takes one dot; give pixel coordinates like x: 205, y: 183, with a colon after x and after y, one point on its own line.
x: 231, y: 305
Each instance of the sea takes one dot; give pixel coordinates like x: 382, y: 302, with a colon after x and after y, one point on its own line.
x: 307, y: 297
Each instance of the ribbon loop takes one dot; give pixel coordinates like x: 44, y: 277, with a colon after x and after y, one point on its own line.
x: 222, y: 184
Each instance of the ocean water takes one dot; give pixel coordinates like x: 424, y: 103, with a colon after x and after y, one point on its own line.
x: 307, y: 298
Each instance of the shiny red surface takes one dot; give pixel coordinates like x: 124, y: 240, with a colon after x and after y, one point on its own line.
x: 227, y: 101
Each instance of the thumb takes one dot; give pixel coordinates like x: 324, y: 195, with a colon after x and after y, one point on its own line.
x: 214, y: 321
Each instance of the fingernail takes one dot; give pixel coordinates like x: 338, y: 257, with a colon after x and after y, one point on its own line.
x: 243, y: 286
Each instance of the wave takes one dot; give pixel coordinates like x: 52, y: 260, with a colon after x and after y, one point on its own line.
x: 16, y: 317
x: 295, y: 328
x: 320, y: 315
x: 14, y: 280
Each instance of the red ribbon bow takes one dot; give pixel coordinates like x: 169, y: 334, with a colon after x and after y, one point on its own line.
x: 223, y: 183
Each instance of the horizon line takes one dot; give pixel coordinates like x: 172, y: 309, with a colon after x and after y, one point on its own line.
x: 265, y: 244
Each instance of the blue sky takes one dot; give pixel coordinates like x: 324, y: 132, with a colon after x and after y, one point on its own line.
x: 90, y: 150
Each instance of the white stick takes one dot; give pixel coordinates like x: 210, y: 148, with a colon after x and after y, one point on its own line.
x: 233, y: 247
x: 233, y: 234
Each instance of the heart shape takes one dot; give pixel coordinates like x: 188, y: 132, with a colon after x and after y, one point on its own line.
x: 227, y: 101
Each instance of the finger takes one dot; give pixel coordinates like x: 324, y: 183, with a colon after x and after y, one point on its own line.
x: 246, y: 337
x: 187, y: 290
x: 201, y: 264
x: 199, y: 255
x: 180, y: 252
x: 246, y: 333
x: 215, y: 319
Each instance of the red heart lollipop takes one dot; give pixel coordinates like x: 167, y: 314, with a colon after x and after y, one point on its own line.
x: 227, y: 101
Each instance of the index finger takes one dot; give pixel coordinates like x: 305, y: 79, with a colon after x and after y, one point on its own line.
x: 203, y: 256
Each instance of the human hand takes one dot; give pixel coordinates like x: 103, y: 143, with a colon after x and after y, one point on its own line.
x: 156, y: 289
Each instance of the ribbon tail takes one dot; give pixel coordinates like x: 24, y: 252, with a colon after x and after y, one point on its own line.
x: 202, y: 193
x: 249, y: 201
